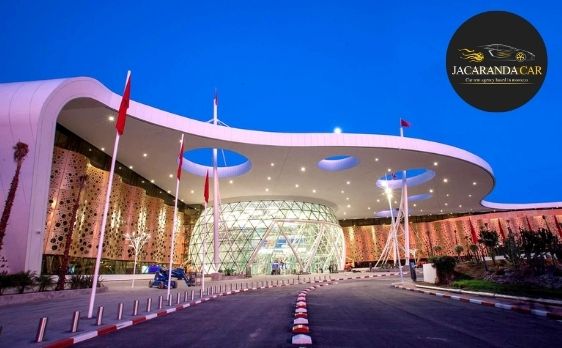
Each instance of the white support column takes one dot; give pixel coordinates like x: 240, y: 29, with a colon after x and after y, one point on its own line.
x: 406, y: 218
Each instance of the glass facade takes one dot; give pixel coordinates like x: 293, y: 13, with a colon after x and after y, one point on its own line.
x: 259, y: 237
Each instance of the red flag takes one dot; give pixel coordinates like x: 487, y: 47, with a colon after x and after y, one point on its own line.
x: 180, y: 162
x: 404, y: 123
x: 206, y: 194
x: 558, y: 226
x: 120, y: 125
x: 473, y: 233
x: 501, y: 229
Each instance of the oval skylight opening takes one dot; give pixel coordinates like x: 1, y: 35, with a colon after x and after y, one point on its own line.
x: 414, y: 177
x: 338, y: 163
x: 229, y: 163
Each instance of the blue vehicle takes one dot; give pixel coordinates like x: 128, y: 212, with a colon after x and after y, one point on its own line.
x: 160, y: 280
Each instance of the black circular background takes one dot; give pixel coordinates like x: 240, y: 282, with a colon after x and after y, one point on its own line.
x: 496, y: 27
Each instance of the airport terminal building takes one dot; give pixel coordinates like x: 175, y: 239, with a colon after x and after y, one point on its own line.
x: 306, y: 201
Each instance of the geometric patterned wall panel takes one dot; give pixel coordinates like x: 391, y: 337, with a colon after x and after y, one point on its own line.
x: 130, y: 210
x: 365, y: 243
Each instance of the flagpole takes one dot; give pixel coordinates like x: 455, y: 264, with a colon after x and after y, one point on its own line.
x: 106, y: 207
x: 216, y: 246
x: 406, y: 209
x: 174, y: 222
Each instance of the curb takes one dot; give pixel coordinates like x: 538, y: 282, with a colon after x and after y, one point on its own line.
x: 518, y: 309
x: 301, y: 323
x: 492, y: 294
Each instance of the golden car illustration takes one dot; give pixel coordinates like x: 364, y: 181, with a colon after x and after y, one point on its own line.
x: 506, y: 53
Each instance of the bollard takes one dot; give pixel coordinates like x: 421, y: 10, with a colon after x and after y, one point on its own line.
x: 200, y: 293
x: 178, y: 297
x: 99, y: 316
x: 120, y: 311
x: 170, y: 300
x: 136, y: 307
x: 75, y: 320
x: 160, y: 300
x: 230, y: 287
x: 41, y: 329
x: 192, y: 295
x: 148, y: 304
x: 185, y: 297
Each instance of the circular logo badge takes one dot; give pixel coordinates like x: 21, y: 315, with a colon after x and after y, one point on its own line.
x: 496, y: 61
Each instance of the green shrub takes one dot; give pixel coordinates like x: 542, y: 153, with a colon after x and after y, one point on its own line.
x: 445, y: 267
x: 23, y: 280
x: 458, y: 250
x: 6, y: 281
x: 490, y: 240
x: 81, y: 281
x: 44, y: 282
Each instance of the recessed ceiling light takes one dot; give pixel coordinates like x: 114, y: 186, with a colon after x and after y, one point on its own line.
x: 348, y: 182
x: 447, y: 195
x: 103, y: 148
x: 389, y: 170
x: 445, y: 180
x: 347, y: 198
x: 171, y: 175
x: 169, y: 191
x: 144, y: 154
x: 342, y: 191
x: 313, y: 190
x: 376, y: 159
x: 474, y: 183
x: 460, y: 205
x: 130, y: 167
x: 421, y: 210
x: 378, y: 200
x: 469, y: 195
x: 430, y: 190
x: 441, y: 210
x: 272, y: 164
x: 231, y: 181
x: 303, y: 169
x: 446, y: 204
x: 269, y: 178
x: 111, y: 118
x: 142, y: 181
x: 152, y: 181
x: 349, y: 205
x: 337, y: 130
x: 368, y: 208
x: 297, y: 185
x: 266, y: 189
x: 192, y: 192
x: 344, y: 213
x: 435, y: 164
x: 414, y: 204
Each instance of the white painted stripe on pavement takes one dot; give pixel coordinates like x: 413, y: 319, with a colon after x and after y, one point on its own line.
x: 85, y: 336
x: 455, y: 297
x: 124, y: 324
x: 502, y: 305
x: 151, y: 316
x: 539, y: 312
x: 471, y: 300
x: 170, y: 310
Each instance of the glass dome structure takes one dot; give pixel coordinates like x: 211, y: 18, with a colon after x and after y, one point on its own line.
x: 258, y: 237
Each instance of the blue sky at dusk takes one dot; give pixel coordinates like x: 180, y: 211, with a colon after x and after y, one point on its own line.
x: 294, y: 66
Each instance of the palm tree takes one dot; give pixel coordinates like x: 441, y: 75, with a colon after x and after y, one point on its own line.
x: 63, y: 269
x: 20, y: 151
x: 459, y: 249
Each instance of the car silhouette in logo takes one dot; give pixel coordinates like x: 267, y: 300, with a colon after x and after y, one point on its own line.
x: 506, y: 53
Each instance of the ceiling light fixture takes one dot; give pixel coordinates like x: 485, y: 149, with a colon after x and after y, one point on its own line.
x: 111, y: 118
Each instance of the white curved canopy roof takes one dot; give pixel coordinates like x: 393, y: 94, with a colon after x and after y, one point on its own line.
x: 462, y: 179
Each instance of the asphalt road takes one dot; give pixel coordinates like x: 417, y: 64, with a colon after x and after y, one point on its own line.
x: 357, y: 313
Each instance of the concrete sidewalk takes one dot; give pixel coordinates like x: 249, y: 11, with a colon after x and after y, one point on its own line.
x: 20, y: 321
